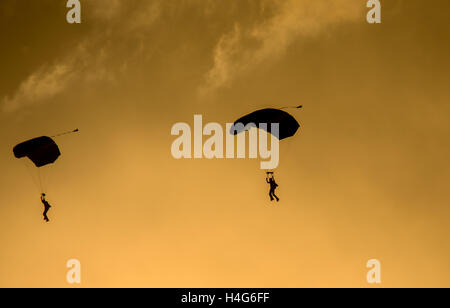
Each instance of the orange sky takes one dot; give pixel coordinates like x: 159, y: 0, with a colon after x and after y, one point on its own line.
x: 365, y: 178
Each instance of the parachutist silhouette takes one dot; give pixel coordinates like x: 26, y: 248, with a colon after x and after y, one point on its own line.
x: 273, y: 186
x: 41, y: 151
x: 47, y: 207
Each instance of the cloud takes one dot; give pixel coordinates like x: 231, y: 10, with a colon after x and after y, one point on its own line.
x: 243, y: 49
x: 88, y: 63
x: 120, y: 37
x: 43, y: 84
x: 99, y: 56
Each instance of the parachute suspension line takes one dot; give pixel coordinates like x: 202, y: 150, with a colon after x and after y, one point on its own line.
x: 33, y: 177
x: 291, y: 107
x: 41, y: 186
x: 66, y: 133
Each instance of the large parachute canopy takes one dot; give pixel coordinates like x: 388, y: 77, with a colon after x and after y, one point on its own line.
x: 41, y: 151
x: 287, y: 124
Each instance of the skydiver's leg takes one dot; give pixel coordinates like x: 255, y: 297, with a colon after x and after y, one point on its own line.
x: 45, y: 215
x: 278, y: 199
x: 271, y: 195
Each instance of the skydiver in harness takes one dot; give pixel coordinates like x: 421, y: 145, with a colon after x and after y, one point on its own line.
x: 273, y: 185
x: 47, y: 207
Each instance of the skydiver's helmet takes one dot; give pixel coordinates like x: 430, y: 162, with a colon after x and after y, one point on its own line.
x: 43, y: 195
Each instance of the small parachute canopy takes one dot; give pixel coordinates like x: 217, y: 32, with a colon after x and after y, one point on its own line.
x: 41, y: 151
x: 288, y: 124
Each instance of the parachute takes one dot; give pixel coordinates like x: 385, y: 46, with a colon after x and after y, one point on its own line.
x: 41, y: 151
x: 288, y: 125
x: 263, y: 119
